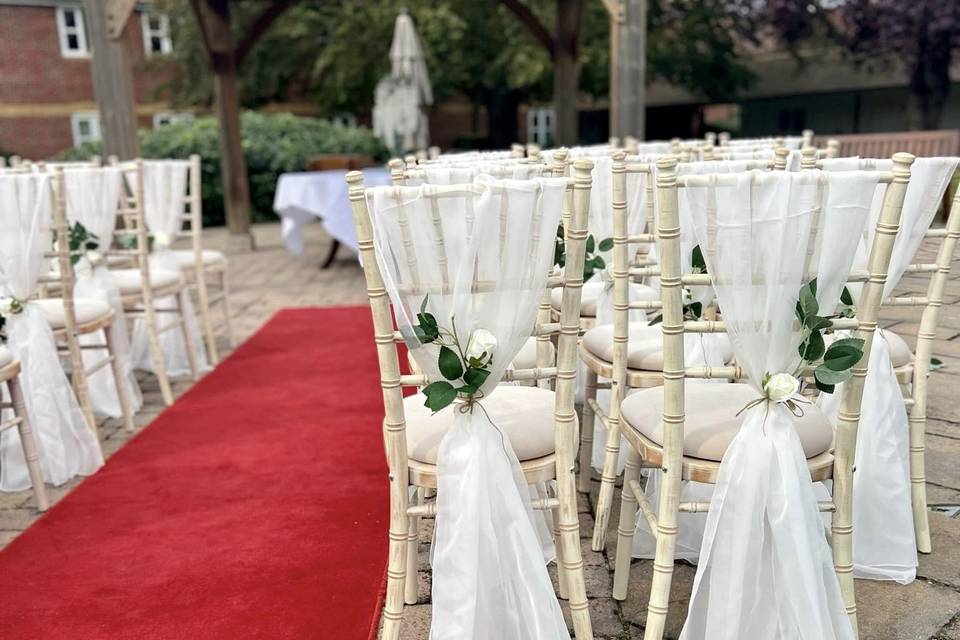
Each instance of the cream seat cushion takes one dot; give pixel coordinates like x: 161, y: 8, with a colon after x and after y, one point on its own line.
x: 591, y: 293
x: 129, y: 280
x: 5, y: 356
x: 184, y: 257
x: 645, y: 345
x: 527, y: 358
x: 524, y: 414
x: 85, y: 309
x: 711, y: 420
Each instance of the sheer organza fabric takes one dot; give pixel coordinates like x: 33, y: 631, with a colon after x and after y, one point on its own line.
x: 164, y: 194
x: 66, y: 444
x: 884, y: 544
x: 92, y: 196
x: 483, y: 256
x: 765, y: 568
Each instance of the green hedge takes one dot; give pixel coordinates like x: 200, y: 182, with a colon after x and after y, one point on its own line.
x: 272, y: 144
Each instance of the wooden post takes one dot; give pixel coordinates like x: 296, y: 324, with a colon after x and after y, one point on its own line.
x: 565, y: 71
x: 628, y: 67
x: 112, y: 79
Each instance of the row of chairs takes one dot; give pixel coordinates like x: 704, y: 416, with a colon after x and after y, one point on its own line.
x: 111, y: 262
x: 649, y: 445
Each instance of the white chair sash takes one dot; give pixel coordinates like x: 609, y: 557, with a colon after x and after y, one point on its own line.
x: 92, y: 196
x: 164, y: 194
x: 489, y: 579
x: 765, y: 569
x: 66, y: 444
x: 884, y: 544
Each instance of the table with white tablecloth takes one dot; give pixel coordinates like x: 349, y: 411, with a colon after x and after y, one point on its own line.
x: 305, y: 196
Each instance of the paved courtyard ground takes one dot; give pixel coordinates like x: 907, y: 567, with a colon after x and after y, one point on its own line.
x: 269, y: 279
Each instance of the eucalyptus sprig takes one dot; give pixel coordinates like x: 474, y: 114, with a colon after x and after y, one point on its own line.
x: 79, y: 238
x: 465, y: 369
x: 691, y: 310
x: 591, y: 262
x: 832, y: 365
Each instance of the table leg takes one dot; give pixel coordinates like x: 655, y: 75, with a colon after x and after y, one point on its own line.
x: 331, y: 255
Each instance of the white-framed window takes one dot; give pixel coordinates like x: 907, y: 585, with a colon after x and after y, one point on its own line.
x: 72, y: 32
x: 156, y: 33
x: 540, y: 126
x: 85, y: 126
x: 163, y: 118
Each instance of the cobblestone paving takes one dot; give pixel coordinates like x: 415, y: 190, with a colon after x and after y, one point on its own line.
x: 269, y: 279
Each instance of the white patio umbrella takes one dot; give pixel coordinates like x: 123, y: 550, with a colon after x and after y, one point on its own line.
x: 397, y: 115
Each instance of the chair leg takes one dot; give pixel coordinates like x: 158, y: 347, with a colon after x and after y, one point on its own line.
x: 608, y: 479
x: 569, y: 541
x: 918, y: 479
x: 119, y: 377
x: 225, y: 302
x: 666, y: 548
x: 78, y: 379
x: 586, y: 434
x: 842, y: 536
x: 413, y: 548
x: 185, y: 331
x: 564, y: 588
x: 203, y: 299
x: 626, y: 528
x: 30, y: 453
x: 396, y: 561
x: 156, y: 352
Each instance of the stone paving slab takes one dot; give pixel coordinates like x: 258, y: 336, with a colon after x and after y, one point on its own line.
x: 268, y: 279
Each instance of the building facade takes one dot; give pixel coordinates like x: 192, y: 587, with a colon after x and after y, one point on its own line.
x: 47, y: 101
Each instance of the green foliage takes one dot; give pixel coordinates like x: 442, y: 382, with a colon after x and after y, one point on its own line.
x: 81, y: 239
x: 831, y: 364
x: 453, y: 364
x: 272, y: 144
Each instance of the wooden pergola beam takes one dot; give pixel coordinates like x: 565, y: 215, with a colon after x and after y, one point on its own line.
x: 118, y: 12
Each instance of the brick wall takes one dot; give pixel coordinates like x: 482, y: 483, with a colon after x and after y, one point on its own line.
x: 40, y: 89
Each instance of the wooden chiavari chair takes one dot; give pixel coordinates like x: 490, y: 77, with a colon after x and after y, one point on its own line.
x: 70, y: 317
x: 657, y: 433
x: 142, y: 286
x: 204, y: 269
x: 400, y: 429
x: 9, y: 377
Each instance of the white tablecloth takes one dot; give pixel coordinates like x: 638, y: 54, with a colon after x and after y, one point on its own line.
x: 301, y: 197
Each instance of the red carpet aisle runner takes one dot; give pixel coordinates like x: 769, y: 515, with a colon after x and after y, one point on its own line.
x: 255, y: 507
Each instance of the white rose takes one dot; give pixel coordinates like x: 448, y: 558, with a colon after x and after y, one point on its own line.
x: 606, y: 278
x: 781, y: 387
x: 161, y: 239
x: 93, y: 257
x: 481, y: 342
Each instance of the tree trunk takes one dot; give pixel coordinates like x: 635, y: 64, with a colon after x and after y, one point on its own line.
x: 502, y: 126
x: 565, y: 72
x: 929, y: 84
x: 628, y: 70
x: 113, y: 86
x: 233, y: 166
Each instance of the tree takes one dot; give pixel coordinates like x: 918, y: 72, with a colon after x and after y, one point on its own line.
x: 225, y: 55
x: 562, y: 45
x: 923, y: 35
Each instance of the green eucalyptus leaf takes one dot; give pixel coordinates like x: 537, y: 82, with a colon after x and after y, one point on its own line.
x: 598, y: 262
x: 423, y: 305
x: 808, y: 300
x: 697, y: 261
x: 657, y: 319
x: 826, y: 388
x: 468, y: 389
x: 817, y: 323
x: 857, y: 343
x: 590, y: 244
x: 831, y: 377
x: 475, y: 377
x: 606, y: 244
x: 841, y: 357
x: 846, y: 298
x: 450, y: 364
x: 439, y: 395
x: 936, y: 363
x: 813, y: 348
